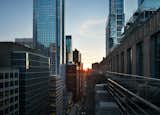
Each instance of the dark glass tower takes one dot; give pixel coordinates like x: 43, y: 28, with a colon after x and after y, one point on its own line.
x: 31, y: 97
x: 115, y: 24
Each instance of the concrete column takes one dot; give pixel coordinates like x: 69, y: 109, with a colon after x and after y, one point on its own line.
x: 147, y: 56
x: 134, y: 59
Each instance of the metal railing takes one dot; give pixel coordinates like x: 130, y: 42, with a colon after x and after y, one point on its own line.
x: 135, y: 95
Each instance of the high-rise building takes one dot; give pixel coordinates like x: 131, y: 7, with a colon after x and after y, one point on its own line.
x: 48, y: 30
x: 72, y: 81
x: 115, y: 24
x: 145, y: 10
x: 77, y: 60
x: 149, y: 5
x: 76, y: 57
x: 69, y: 49
x: 49, y: 36
x: 33, y: 70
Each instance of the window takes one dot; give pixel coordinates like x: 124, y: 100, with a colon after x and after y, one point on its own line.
x: 139, y: 59
x: 7, y: 111
x: 1, y: 85
x: 11, y: 83
x: 16, y: 106
x: 1, y: 76
x: 16, y: 75
x: 117, y: 63
x: 7, y: 75
x: 119, y: 22
x: 6, y: 101
x: 122, y: 62
x: 155, y: 56
x: 6, y: 84
x: 12, y: 92
x: 11, y: 100
x: 11, y: 108
x: 16, y: 90
x: 6, y: 93
x: 11, y: 75
x: 16, y: 83
x: 1, y: 94
x: 16, y: 98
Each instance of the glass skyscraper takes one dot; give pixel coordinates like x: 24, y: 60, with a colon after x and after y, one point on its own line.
x: 48, y: 30
x: 149, y: 5
x: 68, y: 49
x: 48, y: 35
x: 115, y: 24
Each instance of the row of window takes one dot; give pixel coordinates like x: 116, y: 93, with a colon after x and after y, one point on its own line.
x: 8, y: 75
x: 117, y: 63
x: 10, y: 110
x: 8, y: 84
x: 8, y: 93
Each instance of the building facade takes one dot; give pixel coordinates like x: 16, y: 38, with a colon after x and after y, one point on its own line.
x: 69, y: 56
x: 72, y: 81
x: 138, y: 53
x: 77, y: 60
x: 33, y: 70
x: 114, y: 24
x: 9, y: 91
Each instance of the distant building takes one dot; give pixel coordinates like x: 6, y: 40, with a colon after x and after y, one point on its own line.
x: 148, y: 5
x: 77, y: 60
x: 114, y: 24
x: 69, y: 53
x: 145, y: 10
x: 28, y: 42
x: 76, y: 57
x: 72, y: 81
x: 95, y: 66
x: 33, y: 70
x: 9, y: 91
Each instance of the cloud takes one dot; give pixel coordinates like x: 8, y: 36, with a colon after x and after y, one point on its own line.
x: 90, y: 39
x: 93, y: 28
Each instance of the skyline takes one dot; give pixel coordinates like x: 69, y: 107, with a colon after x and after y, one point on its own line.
x: 84, y: 21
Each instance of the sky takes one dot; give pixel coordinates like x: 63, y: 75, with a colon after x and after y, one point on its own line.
x: 85, y: 21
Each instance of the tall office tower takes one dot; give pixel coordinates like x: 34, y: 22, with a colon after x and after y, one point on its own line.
x: 33, y: 68
x: 69, y: 49
x: 115, y: 24
x: 48, y: 35
x: 145, y: 9
x: 76, y: 57
x: 149, y: 5
x: 48, y: 30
